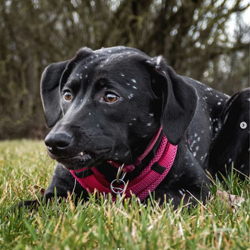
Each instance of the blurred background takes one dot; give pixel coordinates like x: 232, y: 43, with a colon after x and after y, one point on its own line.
x: 205, y: 39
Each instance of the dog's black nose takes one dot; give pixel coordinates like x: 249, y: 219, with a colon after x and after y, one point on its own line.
x: 57, y: 141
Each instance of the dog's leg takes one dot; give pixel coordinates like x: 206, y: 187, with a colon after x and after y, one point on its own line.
x: 61, y: 185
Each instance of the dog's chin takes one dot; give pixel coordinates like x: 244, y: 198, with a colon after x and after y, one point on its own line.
x: 82, y: 160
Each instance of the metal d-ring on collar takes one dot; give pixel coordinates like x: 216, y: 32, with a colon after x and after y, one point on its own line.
x: 118, y: 190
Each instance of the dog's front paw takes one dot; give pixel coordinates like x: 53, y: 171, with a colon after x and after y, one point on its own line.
x: 28, y: 204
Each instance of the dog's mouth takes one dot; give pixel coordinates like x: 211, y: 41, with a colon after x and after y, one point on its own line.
x: 82, y: 159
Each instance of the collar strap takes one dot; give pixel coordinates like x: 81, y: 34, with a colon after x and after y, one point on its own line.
x: 152, y: 143
x: 149, y: 178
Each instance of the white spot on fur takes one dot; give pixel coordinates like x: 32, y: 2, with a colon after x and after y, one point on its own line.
x: 158, y: 60
x: 134, y: 87
x: 133, y: 80
x: 122, y: 75
x: 181, y: 192
x: 130, y: 96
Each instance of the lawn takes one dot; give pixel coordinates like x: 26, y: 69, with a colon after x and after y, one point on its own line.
x: 25, y: 171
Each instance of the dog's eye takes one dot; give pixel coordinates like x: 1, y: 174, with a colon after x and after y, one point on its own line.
x: 67, y: 96
x: 110, y: 98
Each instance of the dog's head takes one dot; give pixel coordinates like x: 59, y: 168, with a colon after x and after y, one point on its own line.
x: 108, y: 104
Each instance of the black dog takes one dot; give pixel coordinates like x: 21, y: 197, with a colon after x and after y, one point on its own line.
x: 117, y: 106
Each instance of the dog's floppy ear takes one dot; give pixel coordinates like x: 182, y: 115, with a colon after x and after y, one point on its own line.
x: 50, y: 83
x: 178, y: 99
x: 54, y: 76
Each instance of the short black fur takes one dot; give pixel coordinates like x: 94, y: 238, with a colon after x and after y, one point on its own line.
x: 88, y: 130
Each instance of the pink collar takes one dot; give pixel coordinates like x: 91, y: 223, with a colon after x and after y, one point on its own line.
x: 147, y: 181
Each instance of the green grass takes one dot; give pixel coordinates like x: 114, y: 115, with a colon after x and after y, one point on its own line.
x: 25, y: 170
